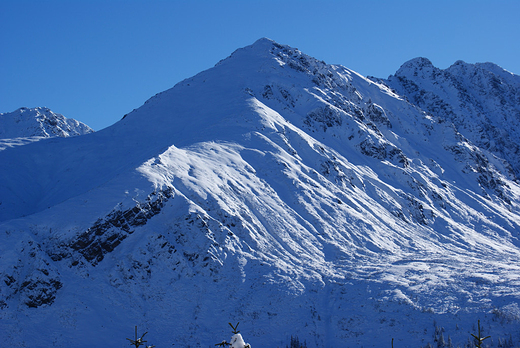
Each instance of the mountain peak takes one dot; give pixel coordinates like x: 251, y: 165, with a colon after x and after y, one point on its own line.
x: 264, y: 41
x: 414, y: 65
x: 460, y: 62
x: 261, y: 48
x: 39, y: 121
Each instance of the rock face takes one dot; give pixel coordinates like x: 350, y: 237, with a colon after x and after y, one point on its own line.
x: 273, y: 190
x: 106, y: 234
x: 39, y: 122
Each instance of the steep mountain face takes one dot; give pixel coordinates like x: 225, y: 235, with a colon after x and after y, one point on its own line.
x: 39, y: 122
x: 481, y: 100
x: 296, y: 197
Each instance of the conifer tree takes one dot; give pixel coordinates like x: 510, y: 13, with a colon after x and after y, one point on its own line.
x: 137, y: 342
x: 479, y: 339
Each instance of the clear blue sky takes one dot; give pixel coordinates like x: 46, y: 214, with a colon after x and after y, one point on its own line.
x: 97, y: 60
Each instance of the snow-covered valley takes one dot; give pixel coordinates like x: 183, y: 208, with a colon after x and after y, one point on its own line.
x: 295, y: 197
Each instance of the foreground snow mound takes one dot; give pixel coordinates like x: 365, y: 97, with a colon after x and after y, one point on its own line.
x: 238, y: 342
x: 297, y: 197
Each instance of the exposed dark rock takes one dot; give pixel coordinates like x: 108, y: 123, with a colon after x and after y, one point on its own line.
x: 377, y: 114
x: 38, y: 292
x: 35, y: 282
x: 325, y: 117
x: 383, y: 151
x: 106, y: 234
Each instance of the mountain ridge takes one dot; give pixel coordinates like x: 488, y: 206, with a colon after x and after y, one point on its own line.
x: 274, y: 190
x: 490, y: 122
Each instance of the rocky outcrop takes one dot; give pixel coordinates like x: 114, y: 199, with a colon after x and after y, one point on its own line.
x: 33, y: 280
x: 107, y: 233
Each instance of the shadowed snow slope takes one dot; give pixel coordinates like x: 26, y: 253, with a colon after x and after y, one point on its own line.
x: 296, y: 197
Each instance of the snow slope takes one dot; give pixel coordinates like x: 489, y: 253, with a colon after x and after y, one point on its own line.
x: 274, y: 190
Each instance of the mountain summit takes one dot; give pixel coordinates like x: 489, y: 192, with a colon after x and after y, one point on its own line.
x: 39, y: 122
x: 295, y: 197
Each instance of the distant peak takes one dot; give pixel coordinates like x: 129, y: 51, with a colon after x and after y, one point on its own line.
x: 459, y: 66
x: 460, y: 62
x: 39, y: 121
x: 415, y: 65
x: 419, y: 62
x: 490, y: 66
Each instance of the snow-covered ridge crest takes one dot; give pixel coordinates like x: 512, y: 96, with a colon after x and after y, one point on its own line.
x: 296, y: 197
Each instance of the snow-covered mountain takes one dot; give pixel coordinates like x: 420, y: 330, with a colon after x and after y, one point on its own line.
x: 295, y: 197
x: 39, y: 122
x: 482, y: 100
x: 27, y: 125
